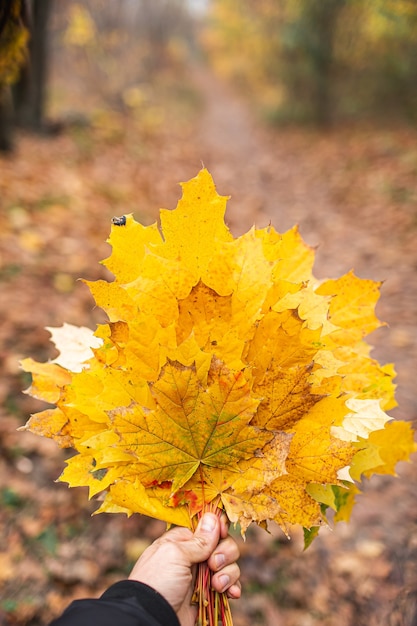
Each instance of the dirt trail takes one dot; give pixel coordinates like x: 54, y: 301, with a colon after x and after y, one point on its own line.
x: 232, y: 148
x: 268, y: 178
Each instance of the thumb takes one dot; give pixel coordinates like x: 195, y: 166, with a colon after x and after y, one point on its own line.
x: 206, y: 537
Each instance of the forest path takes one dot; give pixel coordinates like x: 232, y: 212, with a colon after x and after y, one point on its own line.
x: 271, y: 177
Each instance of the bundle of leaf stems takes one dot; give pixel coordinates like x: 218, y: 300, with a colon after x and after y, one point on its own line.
x: 213, y: 607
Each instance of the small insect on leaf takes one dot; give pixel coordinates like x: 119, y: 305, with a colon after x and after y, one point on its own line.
x: 119, y: 221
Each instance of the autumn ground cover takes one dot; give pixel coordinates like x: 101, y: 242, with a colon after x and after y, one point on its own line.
x: 352, y: 191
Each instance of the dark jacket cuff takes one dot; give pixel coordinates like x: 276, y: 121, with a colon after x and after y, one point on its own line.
x: 152, y: 601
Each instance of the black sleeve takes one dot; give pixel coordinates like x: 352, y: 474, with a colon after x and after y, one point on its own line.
x: 127, y: 603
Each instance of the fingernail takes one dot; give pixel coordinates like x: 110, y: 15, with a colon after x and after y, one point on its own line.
x: 224, y: 581
x: 208, y: 522
x: 219, y: 560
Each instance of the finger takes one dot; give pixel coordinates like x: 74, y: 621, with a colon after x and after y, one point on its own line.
x: 226, y: 578
x: 224, y: 526
x: 199, y: 547
x: 226, y: 552
x: 235, y: 591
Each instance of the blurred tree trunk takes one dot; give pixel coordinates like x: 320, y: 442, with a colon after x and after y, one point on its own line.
x: 6, y: 120
x: 321, y: 19
x: 13, y: 44
x: 30, y: 90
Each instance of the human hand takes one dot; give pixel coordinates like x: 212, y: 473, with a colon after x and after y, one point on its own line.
x: 168, y: 565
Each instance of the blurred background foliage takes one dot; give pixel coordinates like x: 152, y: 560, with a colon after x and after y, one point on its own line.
x: 63, y: 59
x: 298, y: 61
x: 318, y: 60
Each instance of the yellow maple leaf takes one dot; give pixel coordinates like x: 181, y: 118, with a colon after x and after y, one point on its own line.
x: 226, y: 375
x: 384, y: 449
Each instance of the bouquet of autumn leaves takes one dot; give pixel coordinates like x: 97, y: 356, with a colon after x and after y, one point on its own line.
x: 228, y: 378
